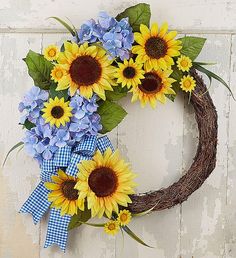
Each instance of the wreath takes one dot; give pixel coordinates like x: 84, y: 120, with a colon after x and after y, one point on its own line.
x: 75, y: 101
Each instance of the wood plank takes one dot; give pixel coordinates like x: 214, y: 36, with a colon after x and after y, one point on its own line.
x: 203, y: 215
x: 231, y: 193
x: 20, y: 175
x: 182, y: 14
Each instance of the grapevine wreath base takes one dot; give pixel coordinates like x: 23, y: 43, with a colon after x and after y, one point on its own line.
x: 204, y: 161
x: 75, y: 101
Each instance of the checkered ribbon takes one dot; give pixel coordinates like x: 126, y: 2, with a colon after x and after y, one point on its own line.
x: 67, y: 159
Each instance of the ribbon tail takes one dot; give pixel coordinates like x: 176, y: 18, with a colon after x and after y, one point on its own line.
x: 103, y: 143
x: 57, y: 232
x: 37, y: 204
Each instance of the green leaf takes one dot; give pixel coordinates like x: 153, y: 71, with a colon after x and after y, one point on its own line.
x: 137, y: 14
x: 79, y: 218
x: 58, y: 93
x: 117, y: 93
x: 12, y: 149
x: 39, y: 69
x: 111, y: 115
x: 135, y: 237
x: 214, y: 76
x: 140, y: 214
x: 203, y: 63
x: 28, y: 125
x: 96, y: 225
x: 192, y: 46
x: 66, y: 25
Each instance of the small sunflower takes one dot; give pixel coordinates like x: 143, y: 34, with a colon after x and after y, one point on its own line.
x: 129, y: 73
x: 51, y: 52
x: 63, y: 195
x: 57, y: 112
x: 188, y: 83
x: 124, y: 217
x: 112, y: 227
x: 184, y: 63
x: 106, y: 181
x: 153, y: 87
x: 57, y: 73
x: 156, y: 48
x: 87, y: 69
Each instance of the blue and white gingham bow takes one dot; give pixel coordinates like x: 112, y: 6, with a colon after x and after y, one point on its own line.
x: 66, y: 158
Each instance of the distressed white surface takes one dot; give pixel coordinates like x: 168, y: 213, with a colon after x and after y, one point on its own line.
x: 160, y: 144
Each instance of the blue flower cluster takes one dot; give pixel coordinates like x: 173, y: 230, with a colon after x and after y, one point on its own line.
x: 43, y: 140
x: 116, y: 36
x: 32, y: 104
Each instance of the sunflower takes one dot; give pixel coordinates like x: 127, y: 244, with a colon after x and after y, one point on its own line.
x: 129, y: 73
x: 124, y: 217
x: 187, y: 83
x: 63, y: 195
x: 156, y: 48
x: 184, y: 63
x: 51, y: 52
x: 153, y: 87
x: 57, y: 112
x: 112, y: 227
x: 106, y: 181
x: 87, y: 69
x: 57, y: 73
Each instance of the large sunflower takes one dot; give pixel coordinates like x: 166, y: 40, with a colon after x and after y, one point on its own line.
x: 129, y: 73
x: 156, y: 48
x: 63, y: 195
x: 106, y: 181
x: 87, y: 69
x: 57, y: 112
x: 153, y: 87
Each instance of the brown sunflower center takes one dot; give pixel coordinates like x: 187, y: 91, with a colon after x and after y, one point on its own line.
x: 57, y: 112
x: 85, y: 70
x: 68, y: 190
x: 156, y: 47
x: 129, y: 72
x: 103, y: 181
x: 152, y: 83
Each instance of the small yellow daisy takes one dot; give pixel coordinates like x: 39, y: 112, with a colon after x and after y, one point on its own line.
x: 187, y: 83
x: 112, y: 227
x: 184, y: 63
x: 57, y: 73
x: 51, y: 52
x: 124, y: 217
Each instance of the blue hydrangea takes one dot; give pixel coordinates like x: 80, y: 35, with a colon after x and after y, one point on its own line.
x: 42, y: 141
x: 116, y: 36
x: 32, y: 104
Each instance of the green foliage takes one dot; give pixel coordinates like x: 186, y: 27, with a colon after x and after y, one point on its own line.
x: 192, y: 46
x: 72, y: 30
x: 28, y: 125
x: 134, y: 236
x: 12, y: 149
x: 117, y: 93
x: 58, y: 93
x: 111, y: 115
x: 137, y: 14
x: 211, y: 75
x: 80, y: 218
x: 39, y: 69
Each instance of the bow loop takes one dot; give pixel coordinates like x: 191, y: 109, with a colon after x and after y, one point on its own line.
x: 87, y: 146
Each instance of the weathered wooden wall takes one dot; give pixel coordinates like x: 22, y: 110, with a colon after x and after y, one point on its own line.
x: 160, y: 143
